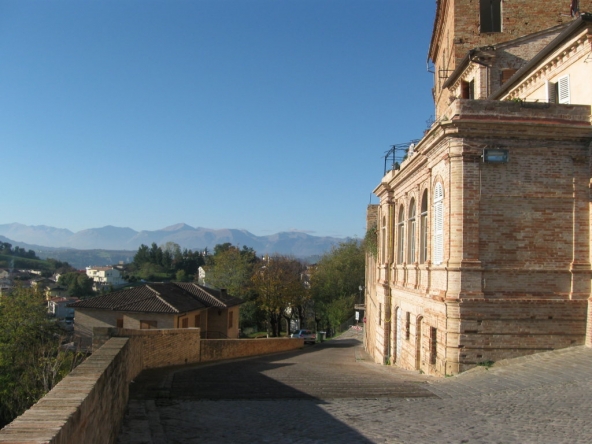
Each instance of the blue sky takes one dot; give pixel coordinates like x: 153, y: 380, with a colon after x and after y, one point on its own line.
x: 264, y: 115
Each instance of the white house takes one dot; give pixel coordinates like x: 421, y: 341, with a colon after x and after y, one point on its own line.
x: 104, y: 277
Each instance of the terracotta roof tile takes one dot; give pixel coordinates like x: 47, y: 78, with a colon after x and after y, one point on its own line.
x: 169, y: 298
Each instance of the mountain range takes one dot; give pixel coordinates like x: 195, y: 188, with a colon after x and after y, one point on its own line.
x: 117, y: 238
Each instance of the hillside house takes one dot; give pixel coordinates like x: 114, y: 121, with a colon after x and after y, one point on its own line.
x: 162, y: 306
x: 58, y: 307
x: 105, y: 277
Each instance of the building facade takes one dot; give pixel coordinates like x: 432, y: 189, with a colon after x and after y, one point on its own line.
x: 105, y: 277
x: 483, y: 231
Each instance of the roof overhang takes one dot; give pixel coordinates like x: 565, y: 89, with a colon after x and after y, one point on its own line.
x: 584, y: 20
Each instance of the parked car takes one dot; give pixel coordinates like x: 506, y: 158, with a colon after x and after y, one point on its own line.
x: 307, y: 335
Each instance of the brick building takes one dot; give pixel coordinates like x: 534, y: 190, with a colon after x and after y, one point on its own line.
x: 484, y: 229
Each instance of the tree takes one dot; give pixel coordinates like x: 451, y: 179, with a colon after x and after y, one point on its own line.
x: 142, y: 256
x: 277, y: 284
x: 78, y: 284
x: 31, y: 361
x: 230, y: 268
x: 335, y: 282
x: 181, y: 276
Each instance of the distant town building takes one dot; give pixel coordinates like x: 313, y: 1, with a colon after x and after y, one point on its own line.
x: 105, y: 277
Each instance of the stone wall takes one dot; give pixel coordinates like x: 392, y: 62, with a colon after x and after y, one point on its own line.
x: 88, y: 405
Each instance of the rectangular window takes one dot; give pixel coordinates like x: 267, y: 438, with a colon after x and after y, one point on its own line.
x: 408, y: 326
x: 120, y: 323
x: 400, y: 241
x: 563, y: 95
x: 185, y: 323
x: 467, y: 89
x: 197, y: 322
x: 551, y: 91
x: 438, y: 233
x: 379, y: 314
x: 411, y: 247
x: 423, y: 242
x: 491, y: 15
x: 230, y: 319
x: 433, y: 345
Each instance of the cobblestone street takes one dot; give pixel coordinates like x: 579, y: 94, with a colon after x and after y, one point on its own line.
x: 332, y: 392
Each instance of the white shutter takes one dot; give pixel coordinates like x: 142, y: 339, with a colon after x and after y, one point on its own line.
x: 438, y: 253
x: 551, y: 88
x: 563, y: 90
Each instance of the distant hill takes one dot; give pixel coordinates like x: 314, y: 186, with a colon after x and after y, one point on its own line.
x: 114, y: 244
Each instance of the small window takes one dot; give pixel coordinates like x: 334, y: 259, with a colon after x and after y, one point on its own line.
x: 120, y: 323
x: 558, y: 92
x: 467, y: 89
x: 379, y: 314
x: 433, y: 345
x: 185, y: 323
x: 506, y: 75
x: 408, y: 326
x: 491, y: 15
x: 197, y: 321
x: 551, y: 91
x: 563, y: 90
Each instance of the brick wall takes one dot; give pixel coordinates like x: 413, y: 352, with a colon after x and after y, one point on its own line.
x: 85, y: 407
x: 516, y: 238
x: 457, y: 31
x: 158, y: 348
x: 88, y: 405
x: 220, y: 349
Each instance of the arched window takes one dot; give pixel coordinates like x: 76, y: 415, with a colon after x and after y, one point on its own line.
x: 423, y: 229
x: 438, y: 253
x: 401, y: 235
x: 411, y: 233
x: 383, y: 240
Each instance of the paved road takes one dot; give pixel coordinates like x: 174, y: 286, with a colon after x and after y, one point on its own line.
x: 332, y: 393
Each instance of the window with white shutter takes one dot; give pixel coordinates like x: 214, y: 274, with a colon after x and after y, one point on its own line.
x: 438, y: 252
x: 551, y: 91
x: 423, y: 236
x: 563, y: 90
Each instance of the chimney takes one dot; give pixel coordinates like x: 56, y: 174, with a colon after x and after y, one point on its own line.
x: 223, y: 292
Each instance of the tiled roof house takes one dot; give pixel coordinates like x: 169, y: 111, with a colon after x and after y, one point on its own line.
x: 163, y: 306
